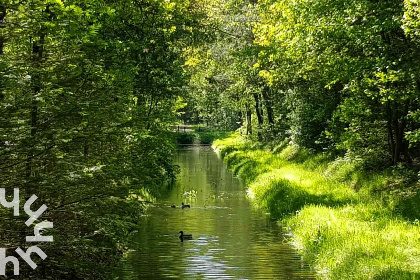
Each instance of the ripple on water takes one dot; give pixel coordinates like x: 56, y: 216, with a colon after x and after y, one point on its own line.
x: 231, y: 240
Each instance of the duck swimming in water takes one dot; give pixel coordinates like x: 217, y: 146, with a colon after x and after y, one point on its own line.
x: 183, y: 236
x: 185, y: 205
x: 173, y: 206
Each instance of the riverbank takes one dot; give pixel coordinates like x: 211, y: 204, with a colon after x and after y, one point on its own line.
x: 198, y: 135
x: 349, y: 224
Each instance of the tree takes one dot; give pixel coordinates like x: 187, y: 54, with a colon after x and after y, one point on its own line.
x: 89, y: 90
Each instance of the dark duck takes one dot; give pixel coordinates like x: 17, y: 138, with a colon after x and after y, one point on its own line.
x: 183, y: 236
x: 185, y: 206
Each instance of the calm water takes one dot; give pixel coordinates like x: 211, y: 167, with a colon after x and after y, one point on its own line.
x: 231, y: 240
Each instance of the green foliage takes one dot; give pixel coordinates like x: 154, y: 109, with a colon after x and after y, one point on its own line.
x: 328, y: 75
x: 348, y: 58
x: 185, y: 138
x: 208, y: 137
x: 200, y: 136
x: 88, y: 93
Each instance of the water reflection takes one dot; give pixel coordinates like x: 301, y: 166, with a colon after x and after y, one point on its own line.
x: 231, y: 240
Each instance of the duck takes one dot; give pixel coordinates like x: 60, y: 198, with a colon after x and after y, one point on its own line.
x: 173, y: 206
x: 183, y: 236
x: 185, y: 205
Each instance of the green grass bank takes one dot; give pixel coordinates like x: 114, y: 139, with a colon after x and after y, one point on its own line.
x: 348, y: 223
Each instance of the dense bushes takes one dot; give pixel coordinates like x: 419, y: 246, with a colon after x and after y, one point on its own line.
x: 202, y: 136
x: 88, y: 92
x: 341, y: 76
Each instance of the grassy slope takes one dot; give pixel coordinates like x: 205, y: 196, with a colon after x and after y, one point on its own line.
x: 346, y: 234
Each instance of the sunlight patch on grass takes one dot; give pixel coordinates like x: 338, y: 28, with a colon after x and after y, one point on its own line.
x: 329, y: 207
x: 357, y: 242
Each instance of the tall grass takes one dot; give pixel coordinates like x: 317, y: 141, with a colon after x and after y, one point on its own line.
x: 335, y: 214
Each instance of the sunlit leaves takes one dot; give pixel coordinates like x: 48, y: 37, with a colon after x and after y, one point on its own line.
x: 412, y: 18
x: 354, y: 49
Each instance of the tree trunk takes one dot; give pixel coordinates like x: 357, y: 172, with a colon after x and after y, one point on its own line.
x: 2, y: 40
x: 248, y: 122
x: 391, y: 139
x: 396, y: 123
x: 240, y: 119
x: 153, y: 103
x: 398, y: 141
x: 259, y: 113
x: 86, y: 149
x: 2, y: 26
x: 403, y: 127
x: 37, y: 53
x: 268, y: 105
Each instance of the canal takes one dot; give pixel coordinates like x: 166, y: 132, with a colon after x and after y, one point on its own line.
x: 231, y: 239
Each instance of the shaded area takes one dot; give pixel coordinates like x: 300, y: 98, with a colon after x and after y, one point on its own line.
x: 284, y: 198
